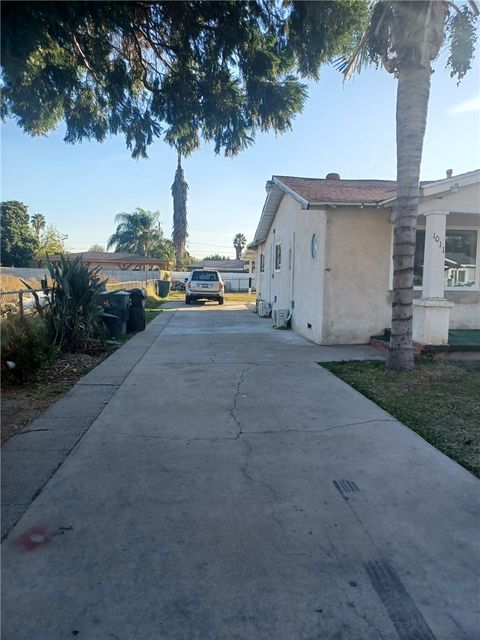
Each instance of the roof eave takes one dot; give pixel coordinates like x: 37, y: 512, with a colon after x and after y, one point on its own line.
x: 274, y: 196
x: 293, y: 194
x: 343, y: 204
x: 447, y: 185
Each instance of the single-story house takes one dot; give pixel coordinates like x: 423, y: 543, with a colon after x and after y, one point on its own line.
x: 323, y: 253
x: 107, y: 260
x: 223, y: 266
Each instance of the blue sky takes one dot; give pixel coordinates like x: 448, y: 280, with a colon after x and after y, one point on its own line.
x: 347, y: 128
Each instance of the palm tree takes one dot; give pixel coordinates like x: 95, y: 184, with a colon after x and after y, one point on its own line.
x: 38, y: 223
x: 137, y: 232
x: 406, y: 37
x: 239, y: 242
x: 179, y: 193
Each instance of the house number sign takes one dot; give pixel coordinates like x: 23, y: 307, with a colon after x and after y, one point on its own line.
x: 438, y: 242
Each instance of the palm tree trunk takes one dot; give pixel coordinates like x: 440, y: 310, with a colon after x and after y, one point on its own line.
x: 179, y: 251
x: 412, y: 107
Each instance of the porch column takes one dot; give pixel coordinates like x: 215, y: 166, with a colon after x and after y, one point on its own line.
x: 431, y: 313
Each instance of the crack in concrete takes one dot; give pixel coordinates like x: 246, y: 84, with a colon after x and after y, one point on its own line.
x: 338, y: 426
x: 97, y: 384
x: 233, y: 408
x: 148, y: 436
x: 241, y: 433
x: 21, y: 433
x: 211, y: 357
x: 250, y: 478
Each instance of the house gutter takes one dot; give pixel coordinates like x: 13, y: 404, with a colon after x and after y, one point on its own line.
x: 321, y: 205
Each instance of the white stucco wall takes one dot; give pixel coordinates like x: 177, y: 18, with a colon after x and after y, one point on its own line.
x: 309, y: 280
x: 357, y: 301
x: 300, y: 279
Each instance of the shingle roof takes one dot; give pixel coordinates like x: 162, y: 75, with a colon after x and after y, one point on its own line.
x: 345, y: 191
x: 104, y: 256
x: 221, y: 265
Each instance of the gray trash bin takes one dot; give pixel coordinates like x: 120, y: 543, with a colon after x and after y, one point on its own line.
x: 162, y: 288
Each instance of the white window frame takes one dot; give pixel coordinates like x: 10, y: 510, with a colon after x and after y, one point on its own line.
x: 277, y: 244
x: 422, y: 227
x: 262, y: 262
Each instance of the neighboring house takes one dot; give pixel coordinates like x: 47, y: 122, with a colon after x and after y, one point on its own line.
x: 223, y: 266
x: 107, y: 260
x: 323, y: 248
x: 235, y: 273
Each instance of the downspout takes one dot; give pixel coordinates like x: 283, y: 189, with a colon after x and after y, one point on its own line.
x: 292, y: 297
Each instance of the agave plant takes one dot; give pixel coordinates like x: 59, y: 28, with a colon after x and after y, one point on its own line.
x: 73, y: 314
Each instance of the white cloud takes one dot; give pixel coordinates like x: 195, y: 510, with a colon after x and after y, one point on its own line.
x: 467, y: 106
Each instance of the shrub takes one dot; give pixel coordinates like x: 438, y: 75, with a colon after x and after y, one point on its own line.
x: 25, y: 347
x: 74, y: 314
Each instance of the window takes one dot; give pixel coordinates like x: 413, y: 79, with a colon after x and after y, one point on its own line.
x: 262, y: 262
x: 205, y: 276
x: 278, y: 257
x: 253, y: 266
x: 460, y: 258
x: 314, y: 246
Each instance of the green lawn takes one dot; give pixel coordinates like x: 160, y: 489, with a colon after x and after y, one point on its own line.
x: 440, y: 400
x: 229, y: 297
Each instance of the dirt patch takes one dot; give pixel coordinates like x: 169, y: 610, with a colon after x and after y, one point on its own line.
x: 22, y: 404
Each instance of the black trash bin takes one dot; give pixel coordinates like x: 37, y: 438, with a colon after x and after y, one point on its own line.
x: 162, y: 288
x: 136, y: 315
x: 116, y: 305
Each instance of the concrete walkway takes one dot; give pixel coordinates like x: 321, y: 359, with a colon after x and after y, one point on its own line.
x: 233, y: 489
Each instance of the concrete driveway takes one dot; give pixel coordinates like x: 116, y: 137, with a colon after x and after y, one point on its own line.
x: 233, y: 489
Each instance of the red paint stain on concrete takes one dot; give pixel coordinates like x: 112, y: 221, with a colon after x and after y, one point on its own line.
x: 32, y: 539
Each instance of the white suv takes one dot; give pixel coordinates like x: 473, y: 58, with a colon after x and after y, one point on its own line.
x: 204, y: 285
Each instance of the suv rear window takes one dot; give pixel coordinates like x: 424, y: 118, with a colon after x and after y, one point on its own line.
x: 205, y: 276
